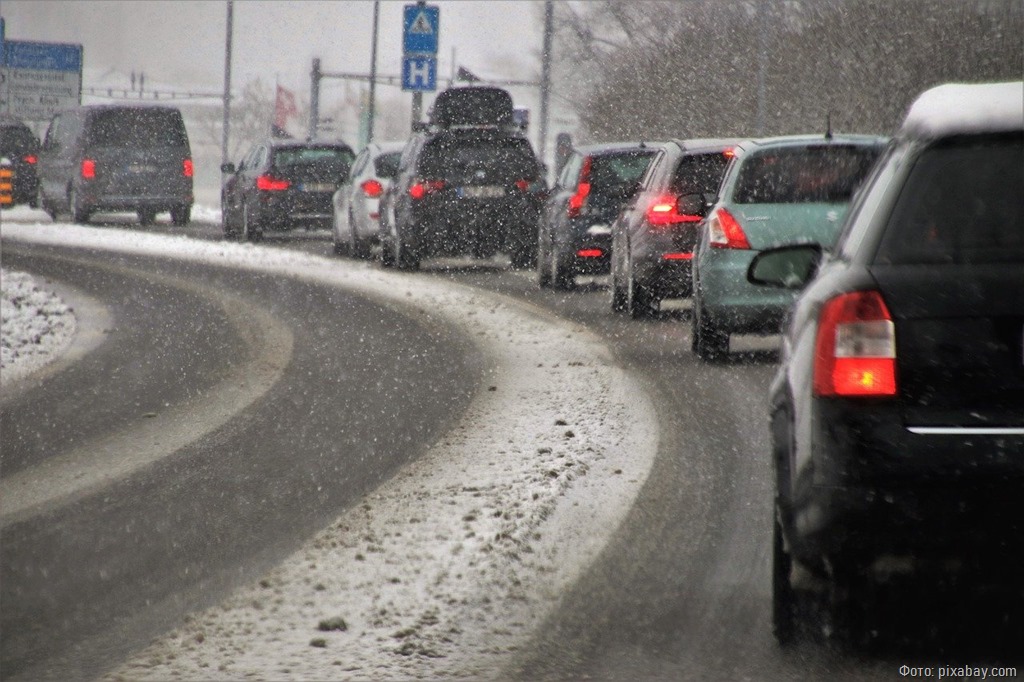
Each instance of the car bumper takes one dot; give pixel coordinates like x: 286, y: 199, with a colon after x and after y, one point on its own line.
x: 878, y: 486
x: 731, y: 302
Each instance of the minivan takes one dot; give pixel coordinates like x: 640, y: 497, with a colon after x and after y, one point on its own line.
x: 115, y: 157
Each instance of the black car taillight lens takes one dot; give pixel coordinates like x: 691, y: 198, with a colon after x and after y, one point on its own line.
x: 422, y: 188
x: 855, y: 348
x: 664, y: 211
x: 88, y: 169
x: 372, y: 188
x: 268, y: 183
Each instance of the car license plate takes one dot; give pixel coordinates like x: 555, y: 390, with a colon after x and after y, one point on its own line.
x: 317, y: 187
x: 482, y: 192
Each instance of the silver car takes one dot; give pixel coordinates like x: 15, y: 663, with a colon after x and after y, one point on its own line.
x: 357, y: 202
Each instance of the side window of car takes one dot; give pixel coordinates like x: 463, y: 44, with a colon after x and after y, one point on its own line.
x: 52, y: 134
x: 571, y: 172
x: 360, y: 163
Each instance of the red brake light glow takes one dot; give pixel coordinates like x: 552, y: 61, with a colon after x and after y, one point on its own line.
x: 855, y: 348
x: 186, y: 168
x: 88, y: 169
x: 579, y: 199
x: 665, y: 211
x: 523, y: 185
x: 590, y: 253
x: 422, y: 188
x: 725, y: 232
x: 372, y: 188
x: 269, y: 183
x: 682, y: 255
x: 30, y: 158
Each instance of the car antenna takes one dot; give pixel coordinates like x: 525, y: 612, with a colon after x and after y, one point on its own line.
x: 828, y: 125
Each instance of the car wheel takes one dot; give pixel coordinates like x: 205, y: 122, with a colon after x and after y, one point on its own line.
x: 180, y: 215
x: 562, y: 277
x: 357, y: 248
x: 45, y: 205
x: 708, y: 342
x: 147, y: 216
x: 783, y: 596
x: 78, y: 213
x: 639, y: 302
x: 618, y: 292
x: 404, y: 258
x: 250, y: 230
x: 543, y: 262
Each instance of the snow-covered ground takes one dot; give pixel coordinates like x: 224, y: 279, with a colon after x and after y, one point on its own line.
x: 37, y: 324
x: 446, y: 569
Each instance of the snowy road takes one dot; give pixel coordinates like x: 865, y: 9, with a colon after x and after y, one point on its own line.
x: 465, y: 551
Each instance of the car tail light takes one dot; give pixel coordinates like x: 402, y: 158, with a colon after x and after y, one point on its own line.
x: 268, y: 183
x: 590, y: 253
x: 855, y: 349
x: 523, y: 185
x: 186, y: 168
x: 729, y: 153
x: 725, y: 232
x: 30, y: 158
x: 578, y: 200
x: 372, y: 188
x: 422, y: 188
x: 680, y: 255
x: 88, y: 169
x: 665, y: 211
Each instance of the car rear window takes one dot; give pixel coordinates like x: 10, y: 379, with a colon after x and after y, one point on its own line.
x: 17, y: 140
x: 961, y: 203
x: 138, y: 128
x: 335, y: 160
x: 699, y: 173
x: 611, y: 172
x: 827, y: 173
x: 386, y: 165
x: 448, y: 157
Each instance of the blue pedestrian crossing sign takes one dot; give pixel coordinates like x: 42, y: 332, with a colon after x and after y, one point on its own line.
x: 420, y: 25
x: 419, y: 74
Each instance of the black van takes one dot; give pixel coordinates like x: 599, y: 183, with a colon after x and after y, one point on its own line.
x: 116, y: 157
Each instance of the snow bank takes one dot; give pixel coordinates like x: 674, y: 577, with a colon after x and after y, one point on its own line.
x: 37, y: 326
x: 446, y: 569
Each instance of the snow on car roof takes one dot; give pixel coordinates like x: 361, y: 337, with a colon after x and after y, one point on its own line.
x: 958, y: 108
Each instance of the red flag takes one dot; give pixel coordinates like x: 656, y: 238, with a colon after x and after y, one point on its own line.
x: 284, y: 108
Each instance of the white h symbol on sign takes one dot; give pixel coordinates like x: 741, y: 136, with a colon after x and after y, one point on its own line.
x: 419, y: 73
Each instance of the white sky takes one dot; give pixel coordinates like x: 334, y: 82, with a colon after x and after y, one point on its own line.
x: 182, y: 41
x: 448, y: 568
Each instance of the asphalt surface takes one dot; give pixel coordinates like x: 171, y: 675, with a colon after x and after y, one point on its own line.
x: 681, y: 592
x: 84, y: 584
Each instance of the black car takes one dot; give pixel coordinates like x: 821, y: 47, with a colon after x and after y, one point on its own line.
x: 115, y: 157
x: 574, y: 235
x: 19, y: 145
x: 654, y: 237
x: 281, y: 184
x: 897, y: 415
x: 468, y: 184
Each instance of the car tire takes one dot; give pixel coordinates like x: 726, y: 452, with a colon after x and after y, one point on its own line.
x: 79, y: 215
x: 618, y: 297
x: 357, y: 248
x: 46, y: 205
x: 707, y: 341
x: 783, y: 595
x: 404, y: 258
x: 181, y: 215
x: 250, y: 228
x: 639, y: 302
x: 543, y: 262
x: 562, y: 277
x: 147, y: 216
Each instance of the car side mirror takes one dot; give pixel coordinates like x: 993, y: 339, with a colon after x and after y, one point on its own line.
x: 692, y: 204
x: 228, y: 168
x: 786, y: 267
x: 419, y: 126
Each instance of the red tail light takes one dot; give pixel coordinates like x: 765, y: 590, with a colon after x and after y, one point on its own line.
x: 372, y: 188
x: 590, y: 253
x: 679, y: 255
x: 578, y: 200
x: 665, y: 211
x: 30, y: 158
x: 269, y: 183
x: 523, y: 185
x: 88, y: 169
x: 186, y: 168
x: 855, y: 349
x: 422, y: 188
x: 725, y: 232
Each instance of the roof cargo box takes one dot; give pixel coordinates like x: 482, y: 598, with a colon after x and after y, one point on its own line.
x: 472, y: 106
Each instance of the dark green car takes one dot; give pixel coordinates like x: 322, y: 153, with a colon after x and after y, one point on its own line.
x: 776, y: 191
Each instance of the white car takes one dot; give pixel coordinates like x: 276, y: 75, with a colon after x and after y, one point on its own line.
x: 357, y: 202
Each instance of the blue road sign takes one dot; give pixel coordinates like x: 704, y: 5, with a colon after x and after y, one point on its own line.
x: 20, y: 54
x: 419, y: 74
x: 420, y: 26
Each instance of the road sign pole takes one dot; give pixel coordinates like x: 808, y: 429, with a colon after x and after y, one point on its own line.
x: 417, y: 108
